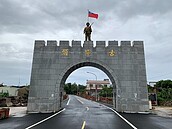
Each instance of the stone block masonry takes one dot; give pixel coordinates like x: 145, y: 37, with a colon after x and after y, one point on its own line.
x: 123, y: 62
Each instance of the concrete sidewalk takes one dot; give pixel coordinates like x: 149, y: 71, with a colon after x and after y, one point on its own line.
x: 162, y: 111
x: 158, y: 110
x: 17, y: 111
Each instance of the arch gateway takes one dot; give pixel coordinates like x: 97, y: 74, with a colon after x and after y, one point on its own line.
x: 123, y: 63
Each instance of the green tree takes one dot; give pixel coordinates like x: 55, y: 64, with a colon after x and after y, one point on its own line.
x: 164, y: 90
x: 81, y: 88
x: 106, y: 92
x: 74, y: 88
x: 67, y: 88
x: 163, y: 84
x: 6, y: 94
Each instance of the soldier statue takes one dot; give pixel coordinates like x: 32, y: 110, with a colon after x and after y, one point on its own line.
x: 87, y: 32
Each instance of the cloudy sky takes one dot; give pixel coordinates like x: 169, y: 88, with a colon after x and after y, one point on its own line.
x: 23, y: 21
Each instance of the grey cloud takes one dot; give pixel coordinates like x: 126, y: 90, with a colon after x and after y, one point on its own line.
x: 20, y: 17
x: 148, y: 20
x: 10, y: 51
x: 35, y: 15
x: 132, y: 8
x: 12, y: 71
x: 31, y: 16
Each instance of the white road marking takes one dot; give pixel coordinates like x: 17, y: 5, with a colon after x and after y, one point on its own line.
x: 44, y: 119
x: 80, y: 101
x: 134, y: 127
x: 83, y: 125
x: 68, y: 101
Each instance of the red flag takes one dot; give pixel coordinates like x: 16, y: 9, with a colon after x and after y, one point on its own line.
x: 93, y: 15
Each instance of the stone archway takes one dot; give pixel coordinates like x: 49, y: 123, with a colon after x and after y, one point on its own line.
x: 102, y: 67
x: 124, y: 64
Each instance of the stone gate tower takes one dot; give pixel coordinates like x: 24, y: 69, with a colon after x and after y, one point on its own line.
x: 124, y: 64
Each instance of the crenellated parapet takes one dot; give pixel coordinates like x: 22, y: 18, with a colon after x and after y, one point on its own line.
x: 54, y: 43
x: 89, y: 49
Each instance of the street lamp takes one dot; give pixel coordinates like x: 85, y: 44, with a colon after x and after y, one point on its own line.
x: 93, y: 74
x: 95, y: 84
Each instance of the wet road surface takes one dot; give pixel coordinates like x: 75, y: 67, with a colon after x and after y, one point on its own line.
x: 85, y: 114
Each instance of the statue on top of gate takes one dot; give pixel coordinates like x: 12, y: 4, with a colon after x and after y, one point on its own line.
x: 87, y: 31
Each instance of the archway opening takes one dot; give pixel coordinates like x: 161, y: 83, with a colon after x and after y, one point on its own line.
x: 94, y: 90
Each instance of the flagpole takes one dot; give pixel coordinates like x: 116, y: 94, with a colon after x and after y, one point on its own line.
x: 87, y: 15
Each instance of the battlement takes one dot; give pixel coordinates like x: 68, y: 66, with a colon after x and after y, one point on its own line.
x: 122, y: 61
x: 54, y: 43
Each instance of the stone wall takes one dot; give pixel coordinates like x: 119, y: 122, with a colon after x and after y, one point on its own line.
x: 123, y: 62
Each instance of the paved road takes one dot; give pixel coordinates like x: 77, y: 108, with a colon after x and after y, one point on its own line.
x: 84, y: 114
